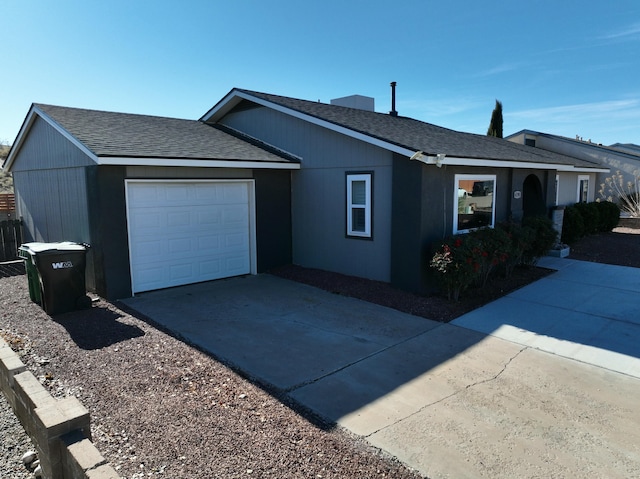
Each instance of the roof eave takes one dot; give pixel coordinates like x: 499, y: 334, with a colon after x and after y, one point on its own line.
x: 195, y: 162
x: 440, y: 160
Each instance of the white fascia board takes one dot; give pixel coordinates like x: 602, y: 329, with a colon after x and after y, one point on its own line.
x: 230, y: 100
x: 589, y: 170
x: 128, y: 161
x: 221, y: 108
x: 450, y: 160
x: 499, y: 163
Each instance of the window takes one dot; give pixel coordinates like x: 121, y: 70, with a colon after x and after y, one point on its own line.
x: 359, y: 205
x: 583, y: 189
x: 557, y: 189
x: 474, y: 202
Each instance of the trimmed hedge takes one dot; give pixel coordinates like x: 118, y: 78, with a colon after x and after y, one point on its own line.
x: 583, y: 219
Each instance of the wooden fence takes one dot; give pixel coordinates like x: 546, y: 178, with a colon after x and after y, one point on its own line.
x: 10, y: 239
x: 7, y: 202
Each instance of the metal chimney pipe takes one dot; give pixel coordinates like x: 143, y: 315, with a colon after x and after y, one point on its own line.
x: 393, y: 111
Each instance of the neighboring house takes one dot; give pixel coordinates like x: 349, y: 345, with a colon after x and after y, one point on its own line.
x: 264, y: 180
x: 624, y: 158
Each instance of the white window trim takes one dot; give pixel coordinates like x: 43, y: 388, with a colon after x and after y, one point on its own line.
x: 366, y: 177
x: 557, y: 189
x: 582, y: 178
x: 455, y: 200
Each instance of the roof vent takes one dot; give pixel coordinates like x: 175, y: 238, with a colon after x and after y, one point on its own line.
x: 355, y: 101
x: 393, y: 111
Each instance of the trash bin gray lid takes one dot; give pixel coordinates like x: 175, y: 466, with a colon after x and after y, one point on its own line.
x: 61, y: 246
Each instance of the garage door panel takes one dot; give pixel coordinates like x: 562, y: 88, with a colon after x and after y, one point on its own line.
x: 147, y: 220
x: 180, y: 272
x: 210, y: 267
x: 179, y: 218
x: 236, y: 263
x: 187, y: 232
x: 173, y: 194
x: 179, y: 245
x: 233, y: 240
x: 207, y: 244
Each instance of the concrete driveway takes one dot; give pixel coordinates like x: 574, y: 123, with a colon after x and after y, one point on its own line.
x: 542, y: 383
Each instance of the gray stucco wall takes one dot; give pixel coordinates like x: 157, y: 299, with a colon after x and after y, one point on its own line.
x: 318, y: 192
x: 423, y: 213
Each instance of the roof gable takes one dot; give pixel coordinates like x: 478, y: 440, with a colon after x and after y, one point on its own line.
x: 406, y: 136
x: 127, y: 139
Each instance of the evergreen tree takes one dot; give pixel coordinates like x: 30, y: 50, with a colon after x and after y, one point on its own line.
x: 495, y: 127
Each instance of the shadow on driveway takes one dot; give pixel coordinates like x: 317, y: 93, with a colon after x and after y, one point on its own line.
x: 447, y: 400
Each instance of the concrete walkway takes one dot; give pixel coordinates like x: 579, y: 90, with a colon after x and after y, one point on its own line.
x: 542, y: 383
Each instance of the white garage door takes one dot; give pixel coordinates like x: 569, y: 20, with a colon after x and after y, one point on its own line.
x: 183, y: 232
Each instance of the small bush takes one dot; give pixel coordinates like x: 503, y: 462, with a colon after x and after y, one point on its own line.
x: 590, y: 217
x: 609, y: 215
x: 520, y: 241
x: 543, y: 238
x: 454, y: 266
x: 573, y: 225
x: 492, y: 251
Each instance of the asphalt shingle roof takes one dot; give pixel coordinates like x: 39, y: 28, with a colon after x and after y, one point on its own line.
x: 111, y: 134
x: 417, y: 135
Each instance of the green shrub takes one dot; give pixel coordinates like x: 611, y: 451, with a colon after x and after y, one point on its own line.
x: 454, y: 266
x: 609, y: 215
x: 472, y: 258
x: 590, y: 217
x: 543, y: 239
x: 493, y: 249
x: 573, y: 225
x: 520, y: 241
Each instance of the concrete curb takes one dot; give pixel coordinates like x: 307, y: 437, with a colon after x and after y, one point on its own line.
x: 60, y: 428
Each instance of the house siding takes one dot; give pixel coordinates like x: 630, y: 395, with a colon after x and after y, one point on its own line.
x: 423, y: 215
x: 52, y: 204
x: 49, y: 175
x: 627, y: 164
x: 45, y: 148
x: 318, y: 192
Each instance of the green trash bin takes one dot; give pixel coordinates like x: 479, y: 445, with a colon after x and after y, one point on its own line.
x: 57, y: 281
x: 26, y: 253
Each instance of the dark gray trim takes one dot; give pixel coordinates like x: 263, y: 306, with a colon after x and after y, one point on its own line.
x: 273, y: 218
x: 406, y: 224
x: 108, y: 224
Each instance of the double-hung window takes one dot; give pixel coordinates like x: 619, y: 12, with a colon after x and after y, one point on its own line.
x: 359, y: 205
x: 474, y: 202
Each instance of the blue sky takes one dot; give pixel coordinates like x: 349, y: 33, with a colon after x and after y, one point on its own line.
x: 564, y: 67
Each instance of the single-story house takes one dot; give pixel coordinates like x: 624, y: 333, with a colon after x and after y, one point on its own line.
x: 623, y: 158
x: 263, y: 180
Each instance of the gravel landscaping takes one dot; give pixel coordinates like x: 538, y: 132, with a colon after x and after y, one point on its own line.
x: 160, y: 407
